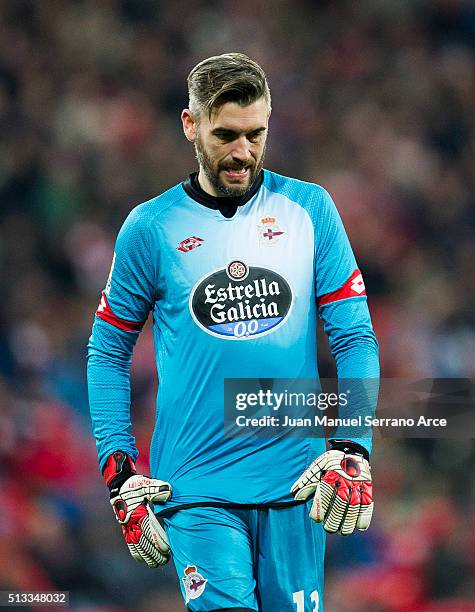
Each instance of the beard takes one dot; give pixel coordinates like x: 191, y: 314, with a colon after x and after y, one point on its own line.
x: 213, y: 171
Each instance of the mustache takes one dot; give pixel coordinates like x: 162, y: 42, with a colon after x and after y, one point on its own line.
x: 236, y: 166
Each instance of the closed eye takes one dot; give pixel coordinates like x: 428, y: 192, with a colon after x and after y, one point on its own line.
x: 225, y: 135
x: 230, y: 135
x: 255, y: 135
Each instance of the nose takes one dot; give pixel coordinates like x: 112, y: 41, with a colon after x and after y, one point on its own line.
x: 241, y: 149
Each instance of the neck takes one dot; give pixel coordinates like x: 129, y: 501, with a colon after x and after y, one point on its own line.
x: 206, y: 185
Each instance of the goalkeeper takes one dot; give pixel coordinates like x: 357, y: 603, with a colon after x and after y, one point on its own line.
x: 236, y: 263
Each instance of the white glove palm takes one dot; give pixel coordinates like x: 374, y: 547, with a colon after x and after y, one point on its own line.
x: 143, y: 533
x: 340, y: 481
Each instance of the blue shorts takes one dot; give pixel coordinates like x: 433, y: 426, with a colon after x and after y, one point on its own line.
x: 265, y: 559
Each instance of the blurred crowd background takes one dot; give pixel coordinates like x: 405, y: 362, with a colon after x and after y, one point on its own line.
x: 373, y: 99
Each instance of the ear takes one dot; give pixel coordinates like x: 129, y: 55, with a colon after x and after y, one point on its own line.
x: 189, y: 124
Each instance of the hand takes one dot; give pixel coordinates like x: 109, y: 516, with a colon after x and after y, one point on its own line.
x: 131, y: 495
x: 340, y: 480
x: 143, y: 533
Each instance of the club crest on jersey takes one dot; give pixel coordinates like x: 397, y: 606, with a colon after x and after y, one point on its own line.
x: 193, y: 582
x: 239, y: 302
x: 269, y: 232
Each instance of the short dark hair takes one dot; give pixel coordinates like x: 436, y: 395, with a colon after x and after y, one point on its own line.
x: 231, y: 77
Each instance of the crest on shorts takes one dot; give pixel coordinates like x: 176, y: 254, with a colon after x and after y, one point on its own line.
x: 194, y: 583
x: 269, y: 231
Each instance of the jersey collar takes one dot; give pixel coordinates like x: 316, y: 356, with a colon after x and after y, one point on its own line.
x: 227, y: 206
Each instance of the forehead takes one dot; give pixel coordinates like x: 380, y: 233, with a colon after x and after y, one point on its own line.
x: 232, y: 116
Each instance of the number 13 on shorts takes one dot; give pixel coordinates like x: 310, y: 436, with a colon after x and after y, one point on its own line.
x: 299, y: 600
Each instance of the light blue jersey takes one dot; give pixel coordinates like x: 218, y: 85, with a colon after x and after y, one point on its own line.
x: 232, y: 297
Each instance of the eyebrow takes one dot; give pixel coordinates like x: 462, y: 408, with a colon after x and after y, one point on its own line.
x: 219, y: 131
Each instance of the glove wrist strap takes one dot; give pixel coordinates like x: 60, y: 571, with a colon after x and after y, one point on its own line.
x: 118, y: 468
x: 348, y: 446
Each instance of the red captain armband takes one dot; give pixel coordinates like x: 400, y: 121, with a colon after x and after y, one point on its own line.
x: 354, y: 287
x: 119, y: 466
x: 105, y: 313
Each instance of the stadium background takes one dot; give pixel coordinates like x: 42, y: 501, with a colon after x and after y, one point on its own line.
x: 372, y: 99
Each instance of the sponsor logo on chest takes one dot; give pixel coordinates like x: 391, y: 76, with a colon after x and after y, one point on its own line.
x: 239, y: 302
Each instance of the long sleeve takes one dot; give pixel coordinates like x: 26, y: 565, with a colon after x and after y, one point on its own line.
x: 342, y: 303
x: 123, y: 309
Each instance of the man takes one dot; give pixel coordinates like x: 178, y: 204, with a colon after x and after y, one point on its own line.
x: 234, y: 262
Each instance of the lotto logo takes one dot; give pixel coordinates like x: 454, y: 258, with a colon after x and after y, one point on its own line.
x: 358, y: 285
x: 354, y: 287
x: 102, y: 304
x: 189, y: 243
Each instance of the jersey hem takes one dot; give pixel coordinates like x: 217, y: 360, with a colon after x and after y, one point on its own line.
x: 275, y: 505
